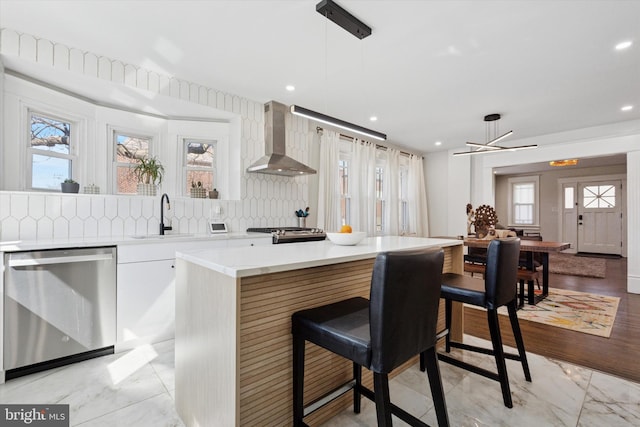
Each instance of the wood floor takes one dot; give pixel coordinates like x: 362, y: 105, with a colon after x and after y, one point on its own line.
x: 616, y: 355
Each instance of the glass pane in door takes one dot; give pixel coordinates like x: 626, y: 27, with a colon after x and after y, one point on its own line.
x: 599, y: 196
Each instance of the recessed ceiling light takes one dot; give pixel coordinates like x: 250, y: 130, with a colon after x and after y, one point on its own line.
x: 627, y: 108
x: 290, y: 88
x: 438, y: 142
x: 623, y: 45
x: 373, y: 118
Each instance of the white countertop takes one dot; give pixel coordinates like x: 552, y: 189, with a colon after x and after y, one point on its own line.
x: 256, y: 260
x: 30, y: 245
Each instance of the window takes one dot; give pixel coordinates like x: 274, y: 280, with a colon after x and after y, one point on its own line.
x: 345, y: 200
x: 569, y: 202
x: 404, y: 199
x: 380, y: 202
x: 385, y: 199
x: 50, y: 151
x: 128, y: 150
x: 523, y: 200
x: 599, y: 196
x: 199, y: 163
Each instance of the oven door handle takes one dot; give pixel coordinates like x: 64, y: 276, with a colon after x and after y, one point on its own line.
x: 58, y: 260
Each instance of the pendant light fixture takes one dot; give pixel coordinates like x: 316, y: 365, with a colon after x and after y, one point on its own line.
x: 333, y: 12
x: 490, y: 146
x: 332, y: 121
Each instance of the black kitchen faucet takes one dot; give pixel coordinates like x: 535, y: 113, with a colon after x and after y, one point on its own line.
x: 162, y: 226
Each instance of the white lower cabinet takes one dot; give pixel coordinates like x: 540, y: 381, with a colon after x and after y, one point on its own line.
x: 146, y: 291
x: 145, y: 302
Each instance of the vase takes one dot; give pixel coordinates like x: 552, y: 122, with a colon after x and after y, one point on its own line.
x: 198, y: 193
x: 69, y: 187
x: 147, y: 189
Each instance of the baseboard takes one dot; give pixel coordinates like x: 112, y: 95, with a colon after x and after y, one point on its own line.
x: 598, y: 255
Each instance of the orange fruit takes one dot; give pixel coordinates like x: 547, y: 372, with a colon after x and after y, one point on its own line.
x: 346, y: 229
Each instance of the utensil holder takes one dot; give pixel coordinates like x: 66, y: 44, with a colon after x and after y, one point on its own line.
x: 302, y: 222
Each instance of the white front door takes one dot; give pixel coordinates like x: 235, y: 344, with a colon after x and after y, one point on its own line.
x: 600, y: 217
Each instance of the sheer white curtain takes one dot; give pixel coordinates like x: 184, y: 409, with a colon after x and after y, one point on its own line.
x: 362, y: 182
x: 329, y: 182
x: 391, y: 192
x: 417, y: 198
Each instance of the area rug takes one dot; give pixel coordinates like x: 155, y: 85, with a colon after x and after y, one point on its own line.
x: 578, y: 311
x: 577, y: 266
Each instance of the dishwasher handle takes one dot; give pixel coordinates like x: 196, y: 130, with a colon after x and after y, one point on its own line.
x: 58, y: 260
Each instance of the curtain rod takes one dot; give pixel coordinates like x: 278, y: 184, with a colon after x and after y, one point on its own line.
x: 378, y: 146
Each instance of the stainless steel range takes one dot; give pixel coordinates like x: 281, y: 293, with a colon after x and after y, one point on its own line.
x: 291, y: 234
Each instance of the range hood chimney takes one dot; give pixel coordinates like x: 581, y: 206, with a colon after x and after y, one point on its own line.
x: 275, y: 161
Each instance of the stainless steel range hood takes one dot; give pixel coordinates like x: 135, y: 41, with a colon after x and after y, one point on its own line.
x: 275, y: 161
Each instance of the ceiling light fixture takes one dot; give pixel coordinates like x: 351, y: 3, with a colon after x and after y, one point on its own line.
x: 627, y: 108
x: 567, y: 162
x: 290, y: 88
x: 489, y: 146
x: 438, y: 143
x: 623, y: 45
x: 331, y: 10
x: 332, y: 121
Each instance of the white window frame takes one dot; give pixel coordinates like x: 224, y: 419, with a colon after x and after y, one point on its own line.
x: 403, y: 191
x: 383, y: 193
x: 73, y: 147
x: 114, y: 131
x: 185, y: 140
x: 346, y: 198
x: 535, y: 180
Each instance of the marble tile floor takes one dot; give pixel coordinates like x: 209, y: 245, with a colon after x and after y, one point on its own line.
x: 136, y: 388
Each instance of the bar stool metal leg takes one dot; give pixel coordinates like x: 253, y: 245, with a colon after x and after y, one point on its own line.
x: 357, y: 390
x: 298, y: 382
x: 517, y: 335
x: 435, y: 383
x: 447, y: 319
x: 496, y: 340
x: 383, y: 400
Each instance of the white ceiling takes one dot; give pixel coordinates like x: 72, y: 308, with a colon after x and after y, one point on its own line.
x: 430, y: 71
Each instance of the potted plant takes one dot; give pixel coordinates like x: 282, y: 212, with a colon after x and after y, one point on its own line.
x: 149, y: 172
x: 69, y: 186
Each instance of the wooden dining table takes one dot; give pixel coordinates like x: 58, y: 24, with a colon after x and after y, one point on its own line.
x: 529, y: 247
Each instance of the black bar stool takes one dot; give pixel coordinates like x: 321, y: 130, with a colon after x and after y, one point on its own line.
x: 398, y: 322
x: 496, y: 291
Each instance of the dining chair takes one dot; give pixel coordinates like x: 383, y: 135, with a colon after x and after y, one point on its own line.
x: 495, y: 291
x: 398, y: 322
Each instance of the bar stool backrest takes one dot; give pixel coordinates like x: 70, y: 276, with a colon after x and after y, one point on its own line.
x: 403, y: 308
x: 501, y: 271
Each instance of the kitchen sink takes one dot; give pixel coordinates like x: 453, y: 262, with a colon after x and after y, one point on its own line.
x: 157, y: 236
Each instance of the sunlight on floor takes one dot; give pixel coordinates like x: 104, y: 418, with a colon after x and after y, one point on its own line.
x: 130, y: 362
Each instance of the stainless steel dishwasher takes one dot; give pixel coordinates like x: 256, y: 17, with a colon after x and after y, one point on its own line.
x: 59, y: 307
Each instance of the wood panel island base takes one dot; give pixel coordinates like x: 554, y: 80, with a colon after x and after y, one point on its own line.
x: 233, y: 326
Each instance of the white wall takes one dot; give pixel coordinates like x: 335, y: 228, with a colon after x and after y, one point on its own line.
x: 258, y: 200
x: 435, y: 167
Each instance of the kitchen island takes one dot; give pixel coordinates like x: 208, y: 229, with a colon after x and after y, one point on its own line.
x: 233, y: 325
